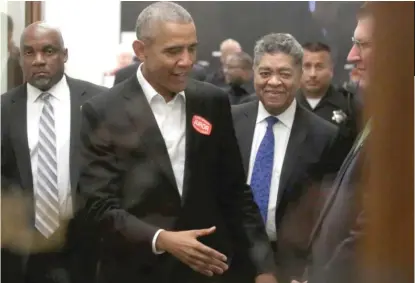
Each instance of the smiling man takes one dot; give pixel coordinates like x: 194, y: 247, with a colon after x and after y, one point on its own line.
x: 286, y: 151
x: 162, y: 170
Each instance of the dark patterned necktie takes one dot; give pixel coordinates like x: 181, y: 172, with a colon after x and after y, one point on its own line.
x: 262, y: 171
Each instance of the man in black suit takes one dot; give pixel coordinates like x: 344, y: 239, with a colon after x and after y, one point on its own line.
x: 320, y: 96
x: 341, y: 225
x: 198, y: 73
x: 162, y: 165
x: 40, y: 126
x: 295, y: 145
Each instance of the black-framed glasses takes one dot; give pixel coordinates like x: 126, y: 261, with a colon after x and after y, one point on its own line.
x: 361, y: 44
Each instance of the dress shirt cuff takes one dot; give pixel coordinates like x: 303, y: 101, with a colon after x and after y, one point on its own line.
x: 154, y: 242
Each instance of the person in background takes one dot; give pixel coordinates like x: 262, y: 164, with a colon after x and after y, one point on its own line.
x: 13, y: 70
x: 227, y: 47
x: 44, y: 239
x: 162, y: 172
x: 320, y: 96
x: 340, y: 229
x: 286, y: 151
x: 238, y: 75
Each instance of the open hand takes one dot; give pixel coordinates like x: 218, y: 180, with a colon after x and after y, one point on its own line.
x: 184, y: 246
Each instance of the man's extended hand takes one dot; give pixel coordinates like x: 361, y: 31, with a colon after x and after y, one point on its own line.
x: 265, y: 278
x: 184, y: 246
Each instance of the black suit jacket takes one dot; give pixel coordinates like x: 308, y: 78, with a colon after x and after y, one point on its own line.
x: 307, y: 160
x: 67, y: 264
x: 126, y: 72
x: 129, y: 181
x: 198, y: 73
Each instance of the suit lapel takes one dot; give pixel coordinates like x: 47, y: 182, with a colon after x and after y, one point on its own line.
x: 293, y: 152
x: 19, y: 137
x: 247, y: 125
x: 149, y: 135
x: 76, y: 92
x: 194, y: 106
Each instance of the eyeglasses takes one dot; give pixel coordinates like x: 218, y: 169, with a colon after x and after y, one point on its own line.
x: 361, y: 44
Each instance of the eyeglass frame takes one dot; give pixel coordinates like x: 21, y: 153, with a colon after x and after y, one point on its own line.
x: 361, y: 44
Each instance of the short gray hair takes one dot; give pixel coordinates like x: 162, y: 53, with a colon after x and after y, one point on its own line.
x: 160, y: 12
x: 274, y: 43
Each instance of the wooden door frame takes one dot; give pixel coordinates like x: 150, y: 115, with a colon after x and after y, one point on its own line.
x: 33, y: 12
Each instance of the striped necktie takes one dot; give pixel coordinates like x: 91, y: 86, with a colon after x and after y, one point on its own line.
x: 47, y: 194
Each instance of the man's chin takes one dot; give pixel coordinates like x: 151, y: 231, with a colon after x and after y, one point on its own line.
x: 313, y: 90
x: 363, y: 83
x: 42, y: 84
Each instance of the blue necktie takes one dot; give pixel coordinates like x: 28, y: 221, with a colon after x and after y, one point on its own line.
x: 262, y: 171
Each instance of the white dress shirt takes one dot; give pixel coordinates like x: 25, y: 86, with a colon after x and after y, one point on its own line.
x: 61, y: 102
x: 282, y: 130
x: 171, y: 120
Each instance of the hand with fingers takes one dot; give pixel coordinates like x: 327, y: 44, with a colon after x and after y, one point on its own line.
x: 184, y: 246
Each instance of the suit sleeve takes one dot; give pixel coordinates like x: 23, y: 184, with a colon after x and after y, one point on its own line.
x: 101, y: 179
x: 343, y: 265
x: 236, y: 199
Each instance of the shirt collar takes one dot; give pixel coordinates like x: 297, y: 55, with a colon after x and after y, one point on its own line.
x: 286, y: 117
x: 57, y: 91
x: 148, y: 90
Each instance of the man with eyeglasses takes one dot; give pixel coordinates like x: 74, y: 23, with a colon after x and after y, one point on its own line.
x: 342, y: 222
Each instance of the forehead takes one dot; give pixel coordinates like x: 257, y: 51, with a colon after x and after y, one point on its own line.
x: 364, y: 29
x: 41, y: 37
x: 315, y: 56
x: 276, y: 61
x: 170, y: 33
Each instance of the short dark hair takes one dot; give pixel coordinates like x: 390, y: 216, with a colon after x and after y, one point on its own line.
x: 244, y: 58
x: 316, y: 47
x: 366, y: 10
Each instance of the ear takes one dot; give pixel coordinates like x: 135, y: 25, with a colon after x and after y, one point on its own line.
x: 139, y: 49
x: 65, y: 54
